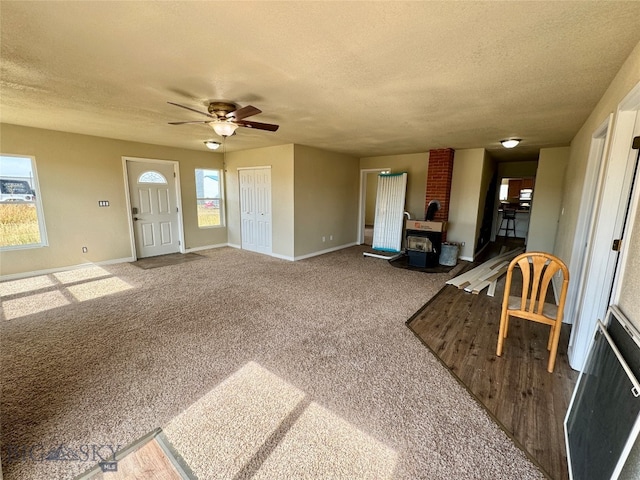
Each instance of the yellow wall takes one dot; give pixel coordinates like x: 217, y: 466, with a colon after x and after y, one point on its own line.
x: 74, y: 172
x: 517, y: 169
x: 326, y: 191
x: 280, y: 159
x: 464, y: 206
x: 370, y: 200
x: 415, y: 165
x: 623, y: 82
x: 547, y: 198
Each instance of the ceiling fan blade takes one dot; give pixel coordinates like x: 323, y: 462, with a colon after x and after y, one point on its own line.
x: 193, y: 121
x: 244, y: 112
x: 258, y: 125
x: 193, y: 110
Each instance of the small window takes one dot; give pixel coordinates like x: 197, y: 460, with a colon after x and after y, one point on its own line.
x: 504, y: 192
x: 21, y: 217
x: 152, y: 177
x: 209, y: 198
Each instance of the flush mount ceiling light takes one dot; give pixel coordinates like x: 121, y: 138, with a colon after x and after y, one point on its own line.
x: 211, y: 145
x: 510, y: 143
x: 224, y: 129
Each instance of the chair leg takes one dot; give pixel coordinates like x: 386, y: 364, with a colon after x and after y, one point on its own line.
x: 504, y: 320
x: 554, y: 347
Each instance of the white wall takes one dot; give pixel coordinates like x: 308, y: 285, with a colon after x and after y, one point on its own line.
x: 547, y: 199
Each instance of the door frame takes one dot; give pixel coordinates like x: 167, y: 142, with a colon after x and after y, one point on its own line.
x: 601, y: 265
x: 583, y: 237
x: 176, y: 171
x: 362, y: 201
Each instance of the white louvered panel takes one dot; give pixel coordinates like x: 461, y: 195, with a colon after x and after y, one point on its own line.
x: 387, y: 229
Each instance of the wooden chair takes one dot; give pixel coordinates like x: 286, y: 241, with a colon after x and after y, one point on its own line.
x: 537, y: 270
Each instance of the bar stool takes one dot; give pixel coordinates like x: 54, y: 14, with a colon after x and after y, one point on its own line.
x: 508, y: 223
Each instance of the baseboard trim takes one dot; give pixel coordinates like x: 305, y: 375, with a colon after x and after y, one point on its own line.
x: 206, y: 247
x: 301, y: 257
x: 282, y: 257
x: 328, y: 250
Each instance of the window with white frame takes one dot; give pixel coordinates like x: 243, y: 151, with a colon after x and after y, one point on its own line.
x: 209, y: 198
x: 21, y: 217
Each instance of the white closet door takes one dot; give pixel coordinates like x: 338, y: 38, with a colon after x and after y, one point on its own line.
x: 255, y: 209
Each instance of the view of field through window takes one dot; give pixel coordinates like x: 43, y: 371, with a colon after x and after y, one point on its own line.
x: 208, y: 197
x: 19, y: 210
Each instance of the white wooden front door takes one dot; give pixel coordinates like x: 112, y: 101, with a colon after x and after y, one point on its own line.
x: 255, y: 209
x: 154, y: 208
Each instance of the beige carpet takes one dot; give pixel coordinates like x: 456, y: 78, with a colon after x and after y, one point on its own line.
x: 295, y: 369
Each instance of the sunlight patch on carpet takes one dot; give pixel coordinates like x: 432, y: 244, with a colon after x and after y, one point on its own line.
x: 256, y: 425
x: 19, y: 307
x: 98, y: 288
x: 322, y: 445
x: 24, y: 285
x: 80, y: 274
x: 222, y: 431
x: 37, y: 294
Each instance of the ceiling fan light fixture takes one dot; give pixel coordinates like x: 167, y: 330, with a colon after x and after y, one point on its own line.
x: 511, y: 142
x: 211, y: 145
x: 224, y: 129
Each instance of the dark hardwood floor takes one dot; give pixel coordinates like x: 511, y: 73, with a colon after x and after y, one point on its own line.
x: 526, y: 401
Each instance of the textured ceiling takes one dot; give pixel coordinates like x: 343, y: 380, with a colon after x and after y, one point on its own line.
x: 360, y: 78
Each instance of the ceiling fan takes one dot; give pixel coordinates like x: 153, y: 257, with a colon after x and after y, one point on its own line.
x: 226, y: 117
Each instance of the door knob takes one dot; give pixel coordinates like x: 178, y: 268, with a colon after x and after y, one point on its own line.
x: 135, y: 219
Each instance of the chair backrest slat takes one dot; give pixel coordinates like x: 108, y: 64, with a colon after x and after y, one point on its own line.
x: 538, y: 264
x: 537, y: 270
x: 526, y: 279
x: 549, y: 272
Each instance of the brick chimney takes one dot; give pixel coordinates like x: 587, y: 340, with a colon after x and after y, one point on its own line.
x: 439, y: 176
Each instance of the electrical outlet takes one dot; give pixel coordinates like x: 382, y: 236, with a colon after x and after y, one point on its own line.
x: 462, y: 244
x: 324, y: 239
x: 85, y: 249
x: 330, y: 237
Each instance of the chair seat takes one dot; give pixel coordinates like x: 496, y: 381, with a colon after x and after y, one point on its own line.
x: 549, y: 310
